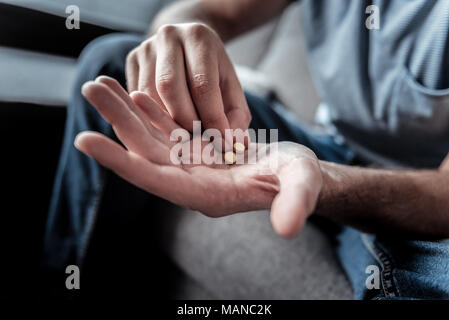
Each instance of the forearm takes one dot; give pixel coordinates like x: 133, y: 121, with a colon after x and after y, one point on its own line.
x: 228, y: 18
x: 407, y: 203
x: 183, y: 12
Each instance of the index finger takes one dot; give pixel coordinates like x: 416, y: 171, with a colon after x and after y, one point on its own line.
x: 128, y: 127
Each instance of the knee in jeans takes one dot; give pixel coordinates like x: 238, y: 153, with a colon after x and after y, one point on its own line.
x: 103, y: 56
x: 103, y: 53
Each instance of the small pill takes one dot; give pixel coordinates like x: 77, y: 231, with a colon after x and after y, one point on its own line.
x: 239, y: 147
x: 230, y: 157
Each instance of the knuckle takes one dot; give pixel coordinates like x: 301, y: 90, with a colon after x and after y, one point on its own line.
x: 145, y: 48
x: 166, y: 30
x: 166, y: 83
x: 132, y: 56
x: 201, y: 85
x: 198, y: 31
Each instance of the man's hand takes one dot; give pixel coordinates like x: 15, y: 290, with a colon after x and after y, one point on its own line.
x: 291, y: 188
x: 185, y: 68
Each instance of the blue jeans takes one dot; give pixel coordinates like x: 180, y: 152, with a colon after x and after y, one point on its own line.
x: 85, y: 194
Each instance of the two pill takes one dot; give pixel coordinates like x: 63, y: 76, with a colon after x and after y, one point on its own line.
x: 230, y: 157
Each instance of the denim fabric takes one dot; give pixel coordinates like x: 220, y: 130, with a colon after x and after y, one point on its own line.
x: 79, y: 182
x: 85, y: 193
x: 408, y: 269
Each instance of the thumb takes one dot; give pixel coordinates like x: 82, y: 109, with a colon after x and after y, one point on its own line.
x: 300, y: 186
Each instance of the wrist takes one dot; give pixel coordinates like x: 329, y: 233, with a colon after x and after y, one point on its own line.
x: 332, y: 183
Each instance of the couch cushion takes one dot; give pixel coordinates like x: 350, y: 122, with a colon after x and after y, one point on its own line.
x: 274, y: 60
x: 250, y: 49
x: 35, y: 77
x: 286, y: 66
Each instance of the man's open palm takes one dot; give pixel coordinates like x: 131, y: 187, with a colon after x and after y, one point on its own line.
x: 290, y: 188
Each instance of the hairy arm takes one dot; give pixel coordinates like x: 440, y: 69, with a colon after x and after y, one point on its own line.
x: 228, y: 18
x: 407, y: 203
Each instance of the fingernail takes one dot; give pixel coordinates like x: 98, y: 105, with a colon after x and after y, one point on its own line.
x: 86, y: 84
x: 76, y: 142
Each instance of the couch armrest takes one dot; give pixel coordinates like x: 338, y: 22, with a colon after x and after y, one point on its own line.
x: 39, y: 31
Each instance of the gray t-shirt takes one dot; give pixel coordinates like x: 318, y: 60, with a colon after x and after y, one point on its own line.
x: 385, y: 91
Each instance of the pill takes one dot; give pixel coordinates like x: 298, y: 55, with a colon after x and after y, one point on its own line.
x: 230, y: 157
x: 239, y: 147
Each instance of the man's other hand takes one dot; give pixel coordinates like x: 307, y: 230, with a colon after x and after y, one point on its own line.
x: 185, y: 68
